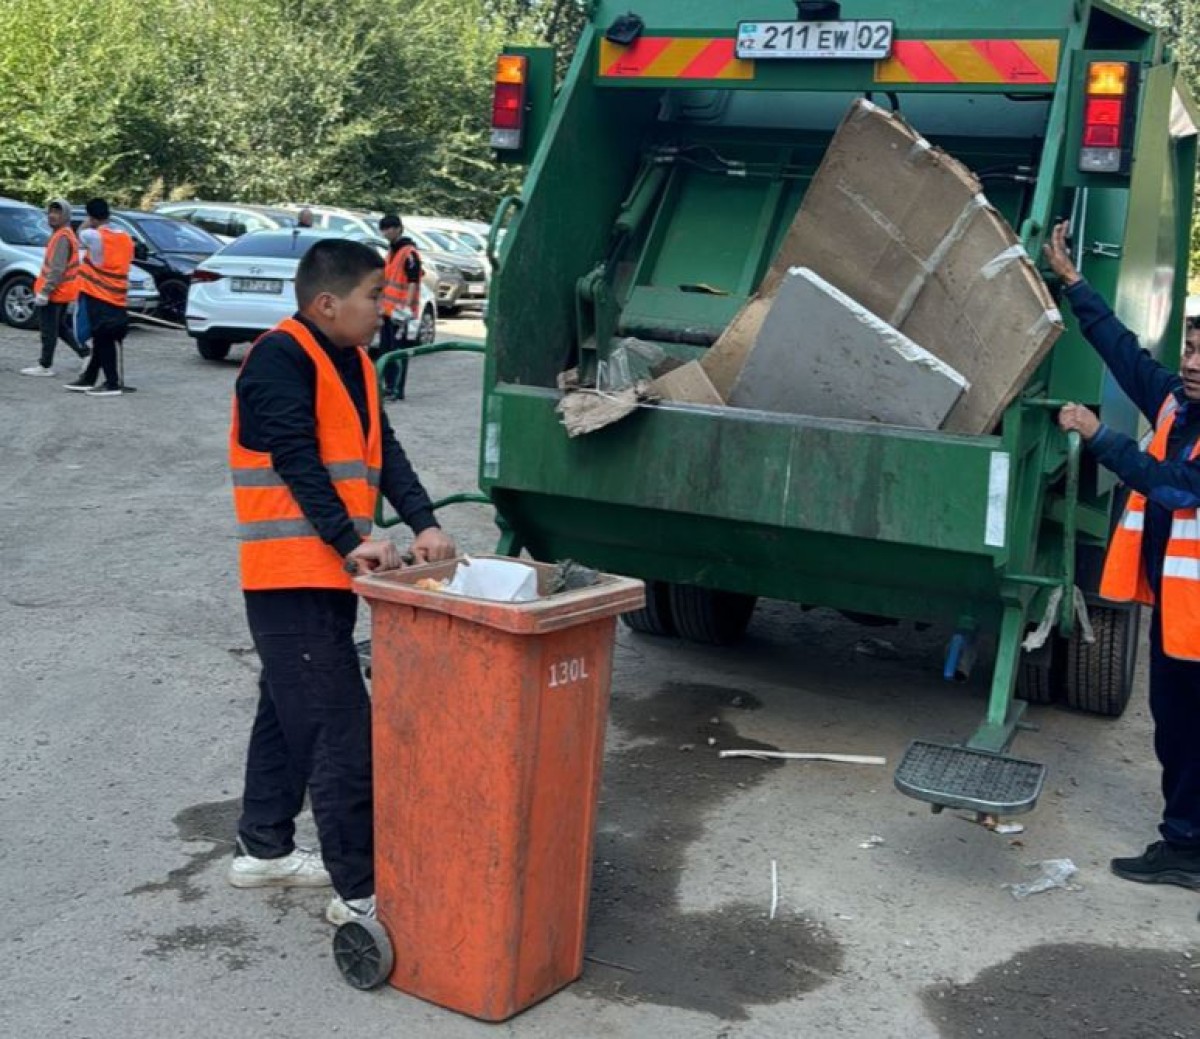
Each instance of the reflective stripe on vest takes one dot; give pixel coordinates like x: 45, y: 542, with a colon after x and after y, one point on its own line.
x: 398, y: 291
x: 109, y: 281
x: 279, y: 547
x: 1125, y: 578
x: 68, y: 286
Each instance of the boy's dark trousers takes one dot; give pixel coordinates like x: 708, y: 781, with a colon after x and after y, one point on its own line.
x: 312, y: 732
x: 1175, y: 705
x: 54, y: 324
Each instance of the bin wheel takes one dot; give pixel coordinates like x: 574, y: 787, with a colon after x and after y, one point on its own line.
x: 710, y: 616
x: 1099, y: 677
x: 363, y: 953
x: 1040, y: 675
x: 655, y: 617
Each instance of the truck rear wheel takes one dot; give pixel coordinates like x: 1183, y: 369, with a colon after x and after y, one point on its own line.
x: 1099, y: 678
x: 655, y: 617
x: 710, y: 616
x: 1039, y: 674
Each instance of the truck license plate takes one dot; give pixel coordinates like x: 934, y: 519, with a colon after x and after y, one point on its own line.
x: 475, y: 290
x: 845, y: 39
x: 271, y: 286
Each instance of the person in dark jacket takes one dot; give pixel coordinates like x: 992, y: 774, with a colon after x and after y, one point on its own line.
x: 1171, y: 490
x: 306, y: 394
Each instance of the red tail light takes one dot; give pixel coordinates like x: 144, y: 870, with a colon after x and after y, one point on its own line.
x: 508, y: 101
x: 198, y: 276
x: 1107, y: 117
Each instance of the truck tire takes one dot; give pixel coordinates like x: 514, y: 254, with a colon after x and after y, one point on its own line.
x: 1098, y: 678
x: 213, y: 349
x: 655, y: 617
x: 713, y: 617
x: 1040, y: 675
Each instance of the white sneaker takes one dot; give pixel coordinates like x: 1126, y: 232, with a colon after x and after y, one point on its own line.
x: 38, y: 370
x: 343, y: 910
x: 299, y: 869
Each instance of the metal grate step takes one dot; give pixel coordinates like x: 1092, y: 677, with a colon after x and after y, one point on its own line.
x: 958, y: 777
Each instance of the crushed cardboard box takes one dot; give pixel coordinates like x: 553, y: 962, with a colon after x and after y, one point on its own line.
x: 903, y: 229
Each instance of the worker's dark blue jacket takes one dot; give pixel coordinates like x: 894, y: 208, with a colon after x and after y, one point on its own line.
x: 1168, y: 485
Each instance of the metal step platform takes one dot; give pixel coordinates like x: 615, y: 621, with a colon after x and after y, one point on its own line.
x: 979, y: 781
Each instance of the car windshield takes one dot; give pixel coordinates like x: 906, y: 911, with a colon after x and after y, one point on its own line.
x: 24, y: 227
x: 272, y: 245
x: 447, y: 242
x: 175, y: 236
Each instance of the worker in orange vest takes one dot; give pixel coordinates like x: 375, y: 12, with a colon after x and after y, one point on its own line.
x: 1154, y: 556
x: 103, y: 289
x: 56, y: 288
x: 400, y: 302
x: 310, y: 451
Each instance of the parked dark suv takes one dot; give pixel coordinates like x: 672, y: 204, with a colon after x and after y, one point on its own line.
x: 167, y: 249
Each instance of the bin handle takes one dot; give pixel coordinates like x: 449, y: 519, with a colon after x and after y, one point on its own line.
x: 498, y: 223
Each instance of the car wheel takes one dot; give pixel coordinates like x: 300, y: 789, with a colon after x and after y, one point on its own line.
x: 16, y: 302
x: 213, y: 349
x: 172, y: 301
x: 427, y: 329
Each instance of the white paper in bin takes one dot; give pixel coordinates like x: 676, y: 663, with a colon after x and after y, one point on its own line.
x: 499, y: 580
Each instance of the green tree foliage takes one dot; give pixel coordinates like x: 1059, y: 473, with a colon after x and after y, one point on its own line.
x: 350, y: 102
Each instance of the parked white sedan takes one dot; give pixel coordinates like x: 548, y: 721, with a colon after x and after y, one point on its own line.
x: 248, y: 287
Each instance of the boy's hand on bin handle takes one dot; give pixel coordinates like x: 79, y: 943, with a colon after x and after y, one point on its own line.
x: 433, y: 545
x: 373, y: 556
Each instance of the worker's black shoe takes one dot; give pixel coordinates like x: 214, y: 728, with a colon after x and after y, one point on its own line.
x: 1162, y: 863
x: 80, y: 385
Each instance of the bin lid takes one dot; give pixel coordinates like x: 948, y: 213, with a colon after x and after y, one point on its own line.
x: 609, y: 596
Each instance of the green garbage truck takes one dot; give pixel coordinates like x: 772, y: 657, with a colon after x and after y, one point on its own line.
x: 674, y: 154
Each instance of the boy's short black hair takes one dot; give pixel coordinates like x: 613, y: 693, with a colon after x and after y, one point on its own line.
x: 390, y: 220
x: 336, y: 266
x: 97, y: 208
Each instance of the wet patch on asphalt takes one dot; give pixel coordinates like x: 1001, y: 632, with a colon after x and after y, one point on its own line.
x: 1058, y: 991
x: 656, y: 796
x: 213, y: 822
x: 231, y: 944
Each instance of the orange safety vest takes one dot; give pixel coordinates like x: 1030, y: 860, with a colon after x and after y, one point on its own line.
x: 279, y: 547
x: 68, y: 287
x: 1125, y: 578
x: 110, y: 281
x: 398, y: 291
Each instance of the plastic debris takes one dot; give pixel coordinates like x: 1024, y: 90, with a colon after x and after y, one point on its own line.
x: 880, y: 648
x: 874, y: 841
x: 1053, y: 873
x: 784, y: 755
x: 570, y: 576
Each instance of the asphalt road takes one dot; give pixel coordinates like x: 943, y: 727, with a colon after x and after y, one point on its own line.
x: 127, y: 687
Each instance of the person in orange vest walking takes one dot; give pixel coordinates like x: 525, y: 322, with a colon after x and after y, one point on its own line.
x: 103, y: 289
x: 401, y: 302
x: 1154, y: 556
x: 311, y: 450
x: 56, y: 288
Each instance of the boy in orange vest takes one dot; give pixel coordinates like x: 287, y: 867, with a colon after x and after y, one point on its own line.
x: 1154, y: 556
x: 310, y: 451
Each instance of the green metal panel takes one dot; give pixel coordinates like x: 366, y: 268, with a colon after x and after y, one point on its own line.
x: 859, y: 479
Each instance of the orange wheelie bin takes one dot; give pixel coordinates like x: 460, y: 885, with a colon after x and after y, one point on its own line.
x: 488, y: 737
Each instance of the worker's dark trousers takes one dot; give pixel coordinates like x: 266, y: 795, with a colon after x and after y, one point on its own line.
x: 312, y: 731
x: 1175, y: 705
x: 395, y: 374
x: 54, y: 324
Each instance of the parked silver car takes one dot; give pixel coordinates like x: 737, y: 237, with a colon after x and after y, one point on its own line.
x: 24, y: 233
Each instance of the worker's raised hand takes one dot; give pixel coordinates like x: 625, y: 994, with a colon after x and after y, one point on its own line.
x: 1077, y: 417
x: 371, y: 556
x: 433, y: 545
x: 1058, y: 256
